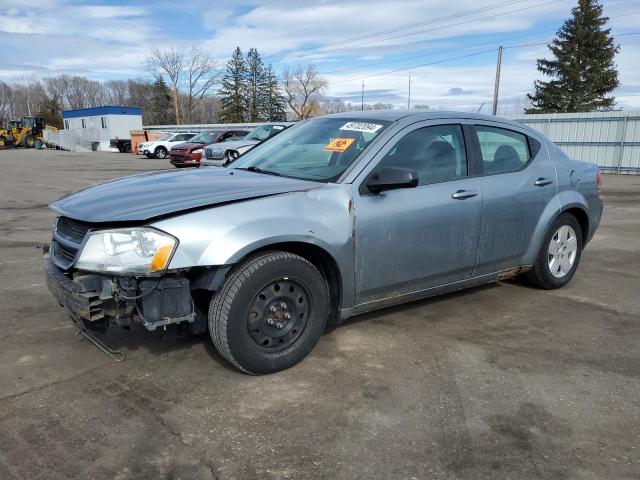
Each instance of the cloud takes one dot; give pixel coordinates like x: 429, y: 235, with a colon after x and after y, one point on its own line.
x: 104, y: 40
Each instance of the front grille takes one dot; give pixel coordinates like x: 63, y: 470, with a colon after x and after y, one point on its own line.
x: 67, y: 254
x: 67, y: 239
x: 213, y: 153
x: 72, y: 230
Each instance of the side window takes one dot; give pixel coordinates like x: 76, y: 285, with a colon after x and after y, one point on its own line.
x: 103, y: 121
x: 436, y: 154
x: 502, y: 150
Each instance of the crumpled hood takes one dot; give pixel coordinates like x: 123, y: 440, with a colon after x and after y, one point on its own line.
x: 150, y: 195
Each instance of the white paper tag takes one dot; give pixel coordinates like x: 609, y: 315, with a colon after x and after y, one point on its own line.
x: 361, y: 127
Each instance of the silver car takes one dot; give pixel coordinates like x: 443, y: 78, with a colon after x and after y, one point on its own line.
x: 335, y: 216
x: 220, y: 154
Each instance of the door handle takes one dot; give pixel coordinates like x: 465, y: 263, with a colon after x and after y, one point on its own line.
x: 541, y: 182
x: 462, y: 194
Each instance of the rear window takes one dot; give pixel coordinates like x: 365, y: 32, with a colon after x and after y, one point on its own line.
x: 502, y: 150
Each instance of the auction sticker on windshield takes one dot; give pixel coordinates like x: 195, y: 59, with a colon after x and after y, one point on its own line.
x: 339, y: 145
x: 361, y: 127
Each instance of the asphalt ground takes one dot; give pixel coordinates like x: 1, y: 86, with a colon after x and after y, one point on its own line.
x: 500, y: 382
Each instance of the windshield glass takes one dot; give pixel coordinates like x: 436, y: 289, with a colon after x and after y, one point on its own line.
x: 206, y: 137
x: 264, y: 131
x: 319, y: 149
x: 164, y: 137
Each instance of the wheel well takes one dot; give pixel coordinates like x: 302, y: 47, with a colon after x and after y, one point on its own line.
x: 583, y: 220
x: 324, y: 262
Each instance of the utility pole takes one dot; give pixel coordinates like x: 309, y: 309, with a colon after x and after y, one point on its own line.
x: 362, y: 98
x: 496, y: 87
x: 409, y: 97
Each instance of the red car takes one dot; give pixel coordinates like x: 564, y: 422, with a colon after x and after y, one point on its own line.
x: 188, y: 154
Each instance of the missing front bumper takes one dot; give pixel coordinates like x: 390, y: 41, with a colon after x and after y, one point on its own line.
x: 116, y: 301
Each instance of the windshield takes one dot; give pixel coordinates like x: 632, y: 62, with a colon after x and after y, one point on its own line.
x: 319, y: 149
x: 264, y: 131
x: 164, y: 137
x: 206, y: 137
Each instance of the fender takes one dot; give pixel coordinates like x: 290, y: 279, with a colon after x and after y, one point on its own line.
x: 562, y: 202
x: 225, y: 234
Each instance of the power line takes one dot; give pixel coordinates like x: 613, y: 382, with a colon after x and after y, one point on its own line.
x: 491, y: 42
x: 401, y: 27
x: 431, y: 29
x: 458, y: 58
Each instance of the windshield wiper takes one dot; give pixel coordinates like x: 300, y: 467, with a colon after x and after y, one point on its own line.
x: 259, y: 170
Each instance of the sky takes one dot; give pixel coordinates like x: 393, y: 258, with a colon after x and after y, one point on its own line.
x: 446, y: 49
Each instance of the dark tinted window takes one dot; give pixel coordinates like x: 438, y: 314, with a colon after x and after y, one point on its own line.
x: 502, y: 150
x: 436, y: 154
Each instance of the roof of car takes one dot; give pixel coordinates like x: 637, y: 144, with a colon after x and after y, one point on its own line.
x: 393, y: 115
x: 397, y: 114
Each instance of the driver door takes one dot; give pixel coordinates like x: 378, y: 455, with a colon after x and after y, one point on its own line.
x: 414, y: 239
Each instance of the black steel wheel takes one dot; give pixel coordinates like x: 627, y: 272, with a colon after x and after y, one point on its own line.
x: 269, y: 313
x: 278, y: 315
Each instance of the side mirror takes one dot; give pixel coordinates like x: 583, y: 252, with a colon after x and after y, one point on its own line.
x: 392, y: 178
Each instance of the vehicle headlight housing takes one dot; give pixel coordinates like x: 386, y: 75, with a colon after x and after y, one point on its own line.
x: 197, y: 150
x: 133, y: 251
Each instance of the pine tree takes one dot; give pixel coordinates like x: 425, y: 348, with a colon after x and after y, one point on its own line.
x: 162, y: 112
x: 256, y: 85
x: 583, y: 71
x: 233, y: 92
x: 274, y: 105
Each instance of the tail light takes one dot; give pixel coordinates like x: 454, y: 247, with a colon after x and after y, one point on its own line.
x: 599, y: 182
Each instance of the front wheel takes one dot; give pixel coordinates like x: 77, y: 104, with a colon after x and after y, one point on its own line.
x: 161, y: 153
x: 559, y: 256
x: 269, y: 313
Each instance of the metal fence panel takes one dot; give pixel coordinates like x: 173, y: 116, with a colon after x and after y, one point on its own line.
x: 610, y: 140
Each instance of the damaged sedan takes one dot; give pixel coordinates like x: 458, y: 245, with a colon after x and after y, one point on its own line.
x: 333, y: 217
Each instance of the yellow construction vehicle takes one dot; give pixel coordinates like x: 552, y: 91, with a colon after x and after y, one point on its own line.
x: 22, y: 133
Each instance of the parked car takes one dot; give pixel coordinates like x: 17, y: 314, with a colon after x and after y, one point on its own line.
x: 336, y: 216
x: 188, y: 154
x: 160, y: 148
x: 122, y: 144
x: 221, y: 154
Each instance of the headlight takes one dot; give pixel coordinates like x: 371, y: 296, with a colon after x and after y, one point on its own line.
x: 136, y: 251
x: 197, y: 150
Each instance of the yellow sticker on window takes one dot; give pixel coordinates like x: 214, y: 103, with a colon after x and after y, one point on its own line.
x: 339, y: 145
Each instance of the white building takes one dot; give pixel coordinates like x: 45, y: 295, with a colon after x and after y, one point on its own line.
x: 93, y: 128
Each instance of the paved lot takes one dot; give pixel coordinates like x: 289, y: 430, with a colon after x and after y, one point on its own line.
x: 499, y: 382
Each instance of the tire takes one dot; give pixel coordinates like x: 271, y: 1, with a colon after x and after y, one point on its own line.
x: 160, y: 153
x: 28, y: 141
x: 148, y: 155
x: 127, y: 148
x: 230, y: 156
x: 262, y: 289
x: 550, y: 276
x: 3, y: 141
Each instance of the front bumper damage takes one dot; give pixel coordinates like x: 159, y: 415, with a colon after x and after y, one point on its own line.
x: 103, y: 301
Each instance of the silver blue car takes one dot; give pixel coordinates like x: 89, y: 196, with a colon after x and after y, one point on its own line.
x: 335, y: 216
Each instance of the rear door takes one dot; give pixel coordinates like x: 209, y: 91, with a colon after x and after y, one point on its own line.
x: 518, y: 182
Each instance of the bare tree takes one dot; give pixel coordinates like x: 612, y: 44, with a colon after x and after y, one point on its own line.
x: 7, y: 106
x: 170, y: 62
x: 117, y: 92
x: 303, y: 88
x: 202, y: 76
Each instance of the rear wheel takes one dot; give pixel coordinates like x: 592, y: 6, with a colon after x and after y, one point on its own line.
x: 127, y: 148
x: 3, y: 141
x: 269, y: 313
x: 559, y: 256
x: 161, y: 153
